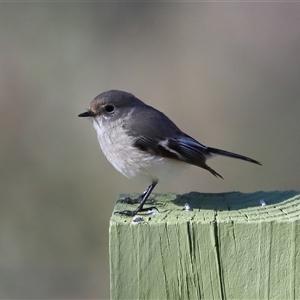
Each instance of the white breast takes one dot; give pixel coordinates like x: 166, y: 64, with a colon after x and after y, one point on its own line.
x: 140, y: 165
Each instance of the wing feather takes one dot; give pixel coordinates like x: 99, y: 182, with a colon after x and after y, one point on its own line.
x: 155, y: 133
x: 183, y: 148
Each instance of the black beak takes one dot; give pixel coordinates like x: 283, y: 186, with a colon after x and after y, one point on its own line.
x: 88, y: 113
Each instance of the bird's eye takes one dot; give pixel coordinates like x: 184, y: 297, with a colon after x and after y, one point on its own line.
x: 109, y: 108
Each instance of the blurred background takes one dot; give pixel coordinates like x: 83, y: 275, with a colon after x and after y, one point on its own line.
x: 227, y: 74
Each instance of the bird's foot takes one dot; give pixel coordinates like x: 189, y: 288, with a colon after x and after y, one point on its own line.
x: 129, y: 200
x: 132, y: 213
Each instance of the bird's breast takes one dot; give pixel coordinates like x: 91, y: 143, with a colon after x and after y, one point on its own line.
x: 132, y: 162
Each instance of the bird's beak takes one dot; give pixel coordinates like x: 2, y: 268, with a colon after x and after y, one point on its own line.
x: 88, y: 113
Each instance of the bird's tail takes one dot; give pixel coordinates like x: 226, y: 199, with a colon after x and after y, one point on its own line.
x: 231, y: 154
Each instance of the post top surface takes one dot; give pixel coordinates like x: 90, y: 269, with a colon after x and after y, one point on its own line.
x: 220, y: 207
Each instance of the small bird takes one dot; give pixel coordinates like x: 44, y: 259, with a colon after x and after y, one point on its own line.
x: 144, y: 144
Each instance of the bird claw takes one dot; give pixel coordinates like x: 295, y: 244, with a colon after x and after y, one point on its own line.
x: 129, y: 200
x: 132, y: 213
x: 139, y: 199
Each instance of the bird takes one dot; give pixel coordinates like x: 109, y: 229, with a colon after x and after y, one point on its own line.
x: 143, y: 144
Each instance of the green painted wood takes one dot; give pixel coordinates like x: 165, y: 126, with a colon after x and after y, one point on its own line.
x: 228, y: 247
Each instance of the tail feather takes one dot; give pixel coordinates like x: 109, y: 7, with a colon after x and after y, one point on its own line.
x: 212, y: 171
x: 231, y: 154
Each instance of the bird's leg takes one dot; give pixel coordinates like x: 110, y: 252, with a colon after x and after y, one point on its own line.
x: 140, y: 208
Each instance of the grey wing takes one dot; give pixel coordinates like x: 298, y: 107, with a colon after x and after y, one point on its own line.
x: 157, y: 134
x: 151, y: 123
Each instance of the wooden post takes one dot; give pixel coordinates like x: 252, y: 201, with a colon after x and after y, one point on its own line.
x: 231, y: 246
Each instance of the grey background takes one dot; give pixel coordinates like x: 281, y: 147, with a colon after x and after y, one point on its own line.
x: 227, y: 73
